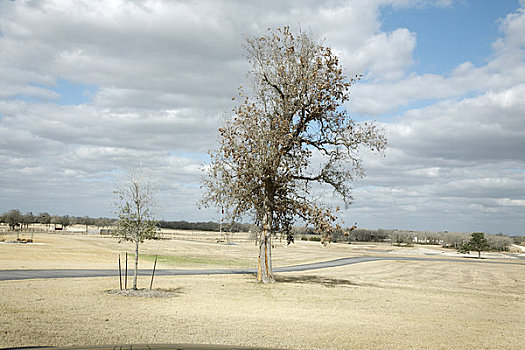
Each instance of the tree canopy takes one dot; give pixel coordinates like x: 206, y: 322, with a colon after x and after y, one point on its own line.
x: 288, y: 132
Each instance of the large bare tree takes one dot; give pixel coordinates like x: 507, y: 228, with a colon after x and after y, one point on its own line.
x: 135, y: 203
x: 288, y: 132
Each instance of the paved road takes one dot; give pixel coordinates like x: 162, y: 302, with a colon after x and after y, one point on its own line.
x: 6, y: 275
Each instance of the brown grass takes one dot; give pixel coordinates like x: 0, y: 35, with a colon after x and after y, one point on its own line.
x: 386, y: 304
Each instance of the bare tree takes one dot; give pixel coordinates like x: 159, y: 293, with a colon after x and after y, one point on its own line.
x: 13, y: 218
x: 135, y: 212
x: 86, y: 220
x: 26, y: 219
x: 289, y: 133
x: 499, y: 242
x: 45, y: 219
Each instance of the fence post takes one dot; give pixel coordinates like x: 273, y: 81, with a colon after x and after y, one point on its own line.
x: 126, y: 278
x: 119, y: 272
x: 153, y: 273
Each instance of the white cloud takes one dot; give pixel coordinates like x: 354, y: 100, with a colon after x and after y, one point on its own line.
x: 383, y: 56
x: 164, y: 73
x: 484, y: 128
x: 507, y: 202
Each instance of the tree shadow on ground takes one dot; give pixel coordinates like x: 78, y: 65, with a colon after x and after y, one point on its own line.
x: 314, y: 279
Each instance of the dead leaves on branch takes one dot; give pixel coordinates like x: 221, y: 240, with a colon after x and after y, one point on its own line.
x: 265, y: 161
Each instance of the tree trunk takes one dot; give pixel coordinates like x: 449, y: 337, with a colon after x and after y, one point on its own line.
x: 479, y: 254
x: 265, y: 271
x: 136, y: 264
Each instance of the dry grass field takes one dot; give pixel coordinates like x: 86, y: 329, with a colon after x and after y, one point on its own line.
x: 372, y: 305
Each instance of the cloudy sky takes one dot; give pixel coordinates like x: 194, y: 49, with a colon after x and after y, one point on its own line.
x: 88, y: 88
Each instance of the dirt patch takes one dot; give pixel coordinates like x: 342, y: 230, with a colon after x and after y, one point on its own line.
x: 147, y: 293
x: 371, y: 305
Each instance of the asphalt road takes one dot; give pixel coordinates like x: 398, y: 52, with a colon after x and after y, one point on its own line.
x: 6, y: 275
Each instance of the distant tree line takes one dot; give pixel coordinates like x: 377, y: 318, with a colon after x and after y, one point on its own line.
x: 455, y: 240
x: 16, y: 220
x: 206, y: 226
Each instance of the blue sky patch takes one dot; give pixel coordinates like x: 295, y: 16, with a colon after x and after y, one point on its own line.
x: 449, y: 36
x: 70, y: 93
x: 74, y: 94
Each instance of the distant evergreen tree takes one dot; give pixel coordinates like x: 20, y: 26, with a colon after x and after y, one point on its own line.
x: 477, y: 243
